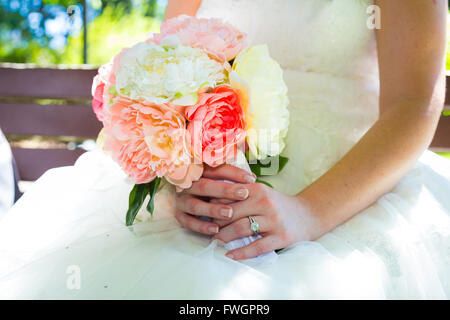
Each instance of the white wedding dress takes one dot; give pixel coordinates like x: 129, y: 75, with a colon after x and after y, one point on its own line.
x: 66, y: 236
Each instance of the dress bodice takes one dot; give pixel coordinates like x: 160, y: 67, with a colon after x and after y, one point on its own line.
x: 323, y: 36
x: 328, y: 56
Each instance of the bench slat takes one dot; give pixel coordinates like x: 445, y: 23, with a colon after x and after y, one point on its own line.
x: 76, y: 120
x: 43, y: 159
x: 447, y: 93
x: 46, y: 83
x: 48, y: 120
x: 441, y: 140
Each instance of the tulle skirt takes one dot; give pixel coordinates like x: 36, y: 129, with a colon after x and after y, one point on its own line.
x: 66, y: 239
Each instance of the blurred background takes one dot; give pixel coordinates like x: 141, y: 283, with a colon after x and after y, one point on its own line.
x: 47, y: 32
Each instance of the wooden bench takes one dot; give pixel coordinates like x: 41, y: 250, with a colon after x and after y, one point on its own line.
x: 65, y: 115
x: 52, y: 103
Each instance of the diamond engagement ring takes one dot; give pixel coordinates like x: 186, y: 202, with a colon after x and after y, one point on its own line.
x: 254, y: 226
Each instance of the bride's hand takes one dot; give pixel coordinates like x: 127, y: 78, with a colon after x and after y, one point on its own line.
x: 191, y: 203
x: 283, y: 220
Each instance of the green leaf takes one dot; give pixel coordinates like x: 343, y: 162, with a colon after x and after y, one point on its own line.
x: 178, y: 95
x: 132, y: 195
x: 255, y: 168
x: 112, y: 90
x: 266, y: 163
x: 125, y: 91
x: 283, y: 162
x: 264, y: 182
x: 135, y: 201
x: 153, y: 189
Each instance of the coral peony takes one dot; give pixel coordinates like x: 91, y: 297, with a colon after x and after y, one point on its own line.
x: 104, y: 78
x: 216, y: 125
x: 148, y: 140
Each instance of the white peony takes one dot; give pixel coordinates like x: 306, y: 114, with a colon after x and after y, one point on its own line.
x: 161, y: 73
x: 260, y: 80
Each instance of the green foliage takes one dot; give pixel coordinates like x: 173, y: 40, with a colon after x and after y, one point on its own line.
x: 146, y: 7
x: 64, y: 3
x: 257, y: 166
x: 112, y: 25
x: 32, y: 52
x: 154, y: 186
x: 108, y: 34
x: 264, y: 182
x: 137, y: 197
x: 444, y: 154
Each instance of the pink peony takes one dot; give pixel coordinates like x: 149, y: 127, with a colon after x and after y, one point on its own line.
x: 104, y: 78
x: 149, y: 141
x: 220, y: 40
x: 184, y: 177
x: 216, y: 126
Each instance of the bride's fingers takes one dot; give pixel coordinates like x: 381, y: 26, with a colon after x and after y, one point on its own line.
x: 222, y: 201
x: 257, y: 248
x: 229, y: 172
x: 189, y: 204
x: 218, y: 189
x: 241, y: 209
x: 259, y: 202
x: 222, y: 223
x: 195, y: 224
x: 241, y: 228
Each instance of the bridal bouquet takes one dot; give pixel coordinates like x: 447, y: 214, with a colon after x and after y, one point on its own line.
x: 190, y: 96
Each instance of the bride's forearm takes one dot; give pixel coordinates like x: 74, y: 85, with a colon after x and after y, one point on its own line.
x: 177, y: 7
x: 374, y: 165
x: 411, y: 48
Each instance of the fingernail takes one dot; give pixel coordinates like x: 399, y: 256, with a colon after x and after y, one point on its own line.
x: 249, y: 179
x: 229, y: 255
x: 214, y: 229
x: 226, y: 212
x: 242, y: 193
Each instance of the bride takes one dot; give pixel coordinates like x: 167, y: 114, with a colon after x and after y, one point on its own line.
x: 360, y: 211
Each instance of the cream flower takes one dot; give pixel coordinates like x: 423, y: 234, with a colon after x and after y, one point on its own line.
x: 259, y: 79
x: 160, y: 74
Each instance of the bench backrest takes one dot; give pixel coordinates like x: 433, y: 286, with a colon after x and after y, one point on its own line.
x: 66, y: 114
x: 441, y: 140
x: 21, y: 115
